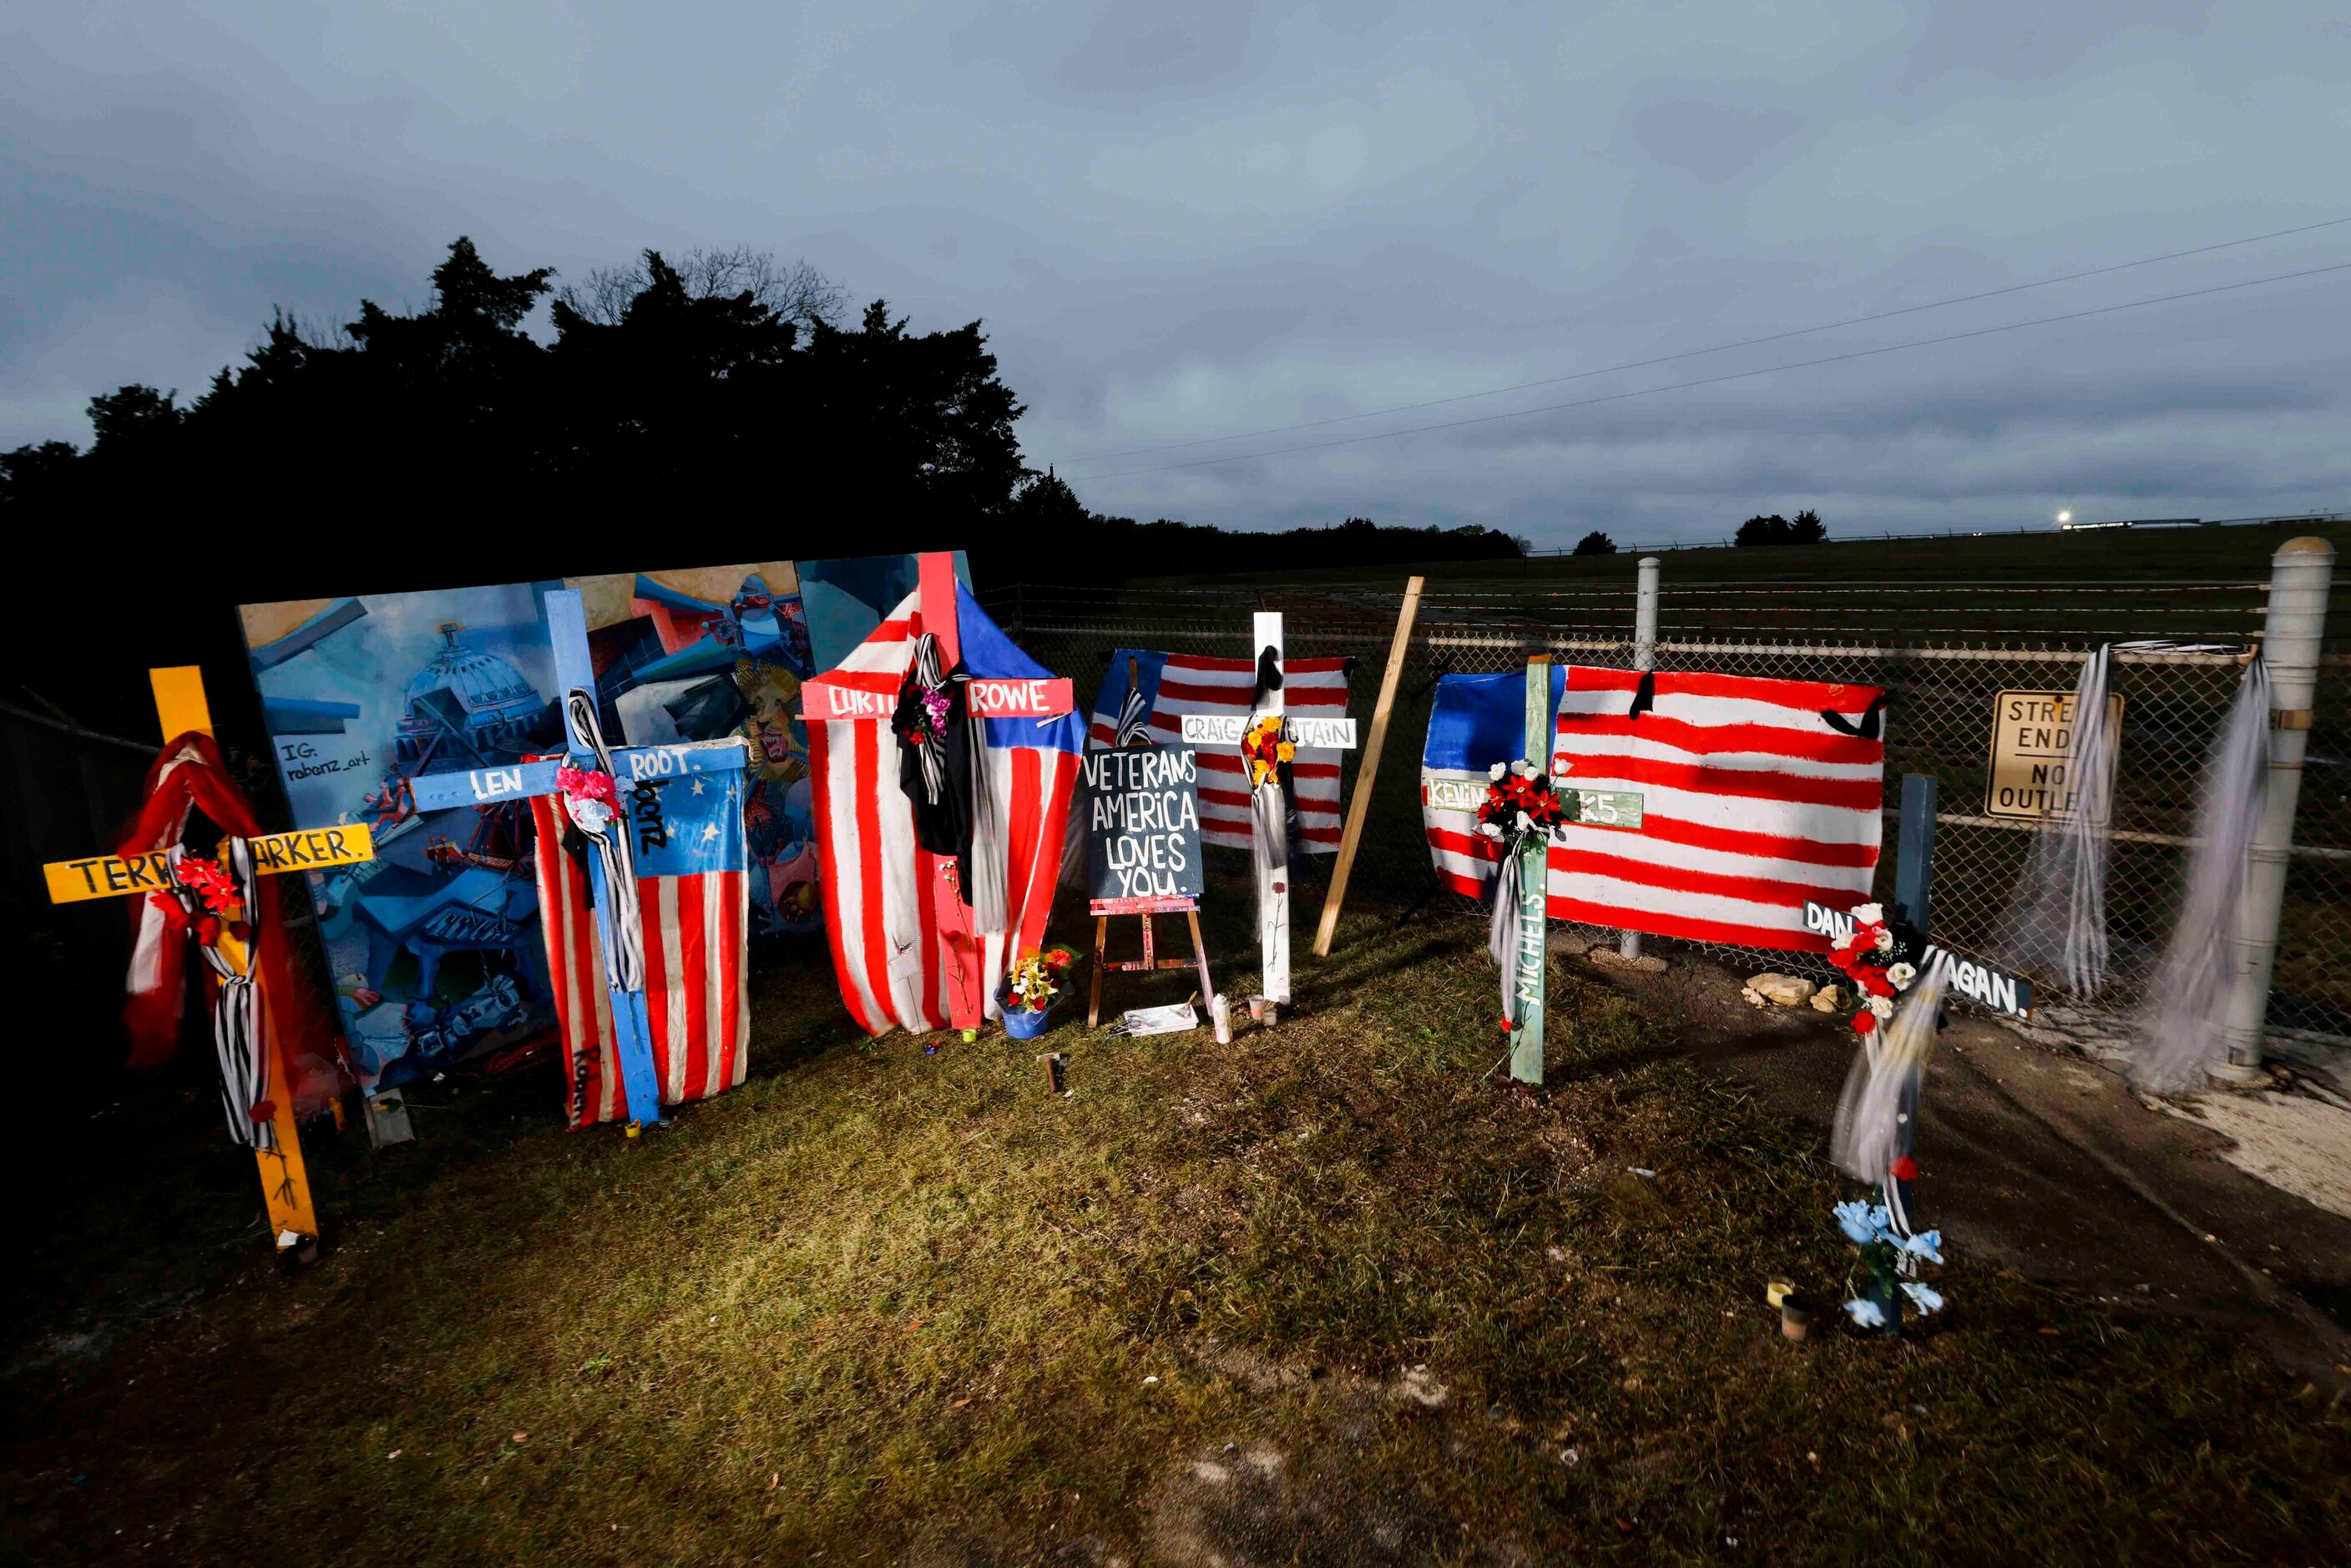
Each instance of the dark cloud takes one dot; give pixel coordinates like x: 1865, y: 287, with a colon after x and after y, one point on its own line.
x: 1180, y: 224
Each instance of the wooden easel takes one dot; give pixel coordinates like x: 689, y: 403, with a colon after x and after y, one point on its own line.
x: 1103, y: 909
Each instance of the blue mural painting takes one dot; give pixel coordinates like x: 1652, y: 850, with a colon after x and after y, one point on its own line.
x: 435, y: 946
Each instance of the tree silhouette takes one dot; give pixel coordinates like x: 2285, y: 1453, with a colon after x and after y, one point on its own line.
x: 1806, y: 530
x: 1595, y: 543
x: 664, y: 414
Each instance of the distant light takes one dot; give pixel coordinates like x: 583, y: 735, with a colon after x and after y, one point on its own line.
x: 2063, y: 517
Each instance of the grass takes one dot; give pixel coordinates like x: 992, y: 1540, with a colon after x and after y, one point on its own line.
x: 880, y: 1300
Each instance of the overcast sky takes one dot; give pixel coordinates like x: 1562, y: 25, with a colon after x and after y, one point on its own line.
x: 1185, y: 223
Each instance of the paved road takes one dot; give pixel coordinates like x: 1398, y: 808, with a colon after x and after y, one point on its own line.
x: 2038, y: 1159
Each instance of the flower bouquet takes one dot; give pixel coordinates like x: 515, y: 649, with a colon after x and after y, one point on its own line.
x: 1031, y: 988
x: 1266, y: 747
x: 1885, y: 1254
x: 1866, y: 955
x: 1518, y: 801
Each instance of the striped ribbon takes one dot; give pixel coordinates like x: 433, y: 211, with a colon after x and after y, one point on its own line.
x: 237, y: 1038
x: 623, y: 929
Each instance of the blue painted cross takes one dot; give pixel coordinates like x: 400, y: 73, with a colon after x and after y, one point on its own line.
x: 611, y: 869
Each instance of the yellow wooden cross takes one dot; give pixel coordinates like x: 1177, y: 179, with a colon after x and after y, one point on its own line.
x: 180, y: 706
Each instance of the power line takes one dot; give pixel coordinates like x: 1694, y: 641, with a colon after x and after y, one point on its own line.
x: 1734, y: 375
x: 1717, y: 349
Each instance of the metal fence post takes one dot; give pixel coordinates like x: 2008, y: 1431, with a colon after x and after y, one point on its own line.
x: 2300, y: 574
x: 1645, y: 657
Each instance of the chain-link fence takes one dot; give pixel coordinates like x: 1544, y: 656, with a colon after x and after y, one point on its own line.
x: 1944, y: 652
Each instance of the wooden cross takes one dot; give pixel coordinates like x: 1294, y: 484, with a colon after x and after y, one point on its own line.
x: 1531, y: 866
x: 181, y: 708
x: 1530, y: 863
x: 636, y: 770
x: 987, y: 697
x: 1270, y: 818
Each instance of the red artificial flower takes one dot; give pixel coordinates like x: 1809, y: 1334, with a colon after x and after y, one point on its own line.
x: 1874, y: 981
x: 208, y: 882
x: 262, y: 1110
x: 1904, y: 1168
x: 1865, y: 1022
x: 208, y: 930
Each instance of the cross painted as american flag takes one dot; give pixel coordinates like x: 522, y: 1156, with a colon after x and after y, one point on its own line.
x: 694, y: 895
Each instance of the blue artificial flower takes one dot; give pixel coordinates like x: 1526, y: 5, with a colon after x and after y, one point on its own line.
x: 1853, y: 1219
x: 1926, y: 1298
x: 1865, y: 1312
x: 1882, y: 1219
x: 1927, y: 1244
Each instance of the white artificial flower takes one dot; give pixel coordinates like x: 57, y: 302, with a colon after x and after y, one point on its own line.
x: 1885, y: 941
x: 1524, y: 823
x: 1490, y: 830
x: 1924, y: 1297
x: 1901, y: 975
x: 1867, y: 1312
x: 1847, y: 940
x: 1496, y: 772
x: 1523, y: 769
x: 1882, y: 1007
x: 1869, y: 913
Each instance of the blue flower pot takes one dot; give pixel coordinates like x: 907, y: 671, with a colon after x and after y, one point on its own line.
x: 1887, y: 1294
x: 1024, y: 1025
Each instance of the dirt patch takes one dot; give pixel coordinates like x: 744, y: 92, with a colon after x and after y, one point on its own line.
x: 1251, y: 1505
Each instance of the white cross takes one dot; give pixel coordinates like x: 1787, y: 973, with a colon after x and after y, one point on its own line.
x: 1268, y: 826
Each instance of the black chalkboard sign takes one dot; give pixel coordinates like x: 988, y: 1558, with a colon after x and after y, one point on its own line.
x: 1142, y: 810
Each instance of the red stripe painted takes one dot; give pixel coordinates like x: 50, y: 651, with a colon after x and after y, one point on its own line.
x: 1289, y: 667
x: 1292, y: 694
x: 548, y: 872
x: 1748, y: 783
x: 1769, y: 846
x: 738, y: 995
x: 718, y: 890
x: 1641, y: 873
x: 1469, y: 887
x: 1817, y: 744
x: 1046, y: 803
x: 939, y: 614
x: 691, y: 964
x: 1232, y: 762
x: 874, y: 937
x: 1724, y: 932
x: 828, y: 810
x: 1808, y: 696
x: 1477, y: 846
x: 605, y: 1090
x: 932, y: 1007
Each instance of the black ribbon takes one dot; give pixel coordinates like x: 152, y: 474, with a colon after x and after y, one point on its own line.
x: 1872, y: 722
